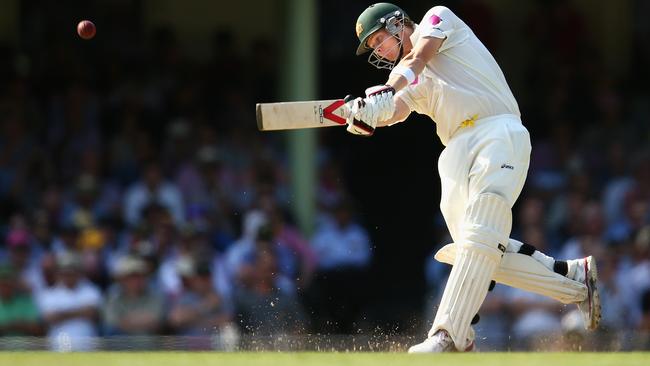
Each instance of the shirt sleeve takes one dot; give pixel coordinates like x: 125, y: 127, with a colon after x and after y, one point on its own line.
x: 90, y: 296
x: 45, y: 303
x: 440, y: 22
x: 416, y: 95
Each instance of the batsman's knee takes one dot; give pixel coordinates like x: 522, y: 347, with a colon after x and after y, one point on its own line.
x: 487, y: 224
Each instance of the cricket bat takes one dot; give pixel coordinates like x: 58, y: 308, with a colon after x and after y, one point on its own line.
x: 296, y: 115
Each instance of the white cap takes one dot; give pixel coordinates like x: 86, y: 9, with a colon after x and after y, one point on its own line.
x: 129, y: 265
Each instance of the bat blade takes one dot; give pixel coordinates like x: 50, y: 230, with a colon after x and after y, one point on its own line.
x: 297, y: 115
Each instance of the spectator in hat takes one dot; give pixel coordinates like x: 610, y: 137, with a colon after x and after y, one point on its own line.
x: 199, y: 309
x: 70, y: 309
x: 132, y: 307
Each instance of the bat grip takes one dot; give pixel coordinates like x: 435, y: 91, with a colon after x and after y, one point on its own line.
x: 350, y: 109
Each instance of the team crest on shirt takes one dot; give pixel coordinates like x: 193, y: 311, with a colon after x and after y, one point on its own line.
x: 359, y: 28
x: 434, y: 19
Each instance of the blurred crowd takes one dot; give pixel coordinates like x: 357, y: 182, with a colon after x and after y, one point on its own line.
x: 137, y: 197
x: 142, y: 200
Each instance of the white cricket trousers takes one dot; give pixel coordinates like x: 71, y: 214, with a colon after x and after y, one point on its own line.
x: 492, y: 156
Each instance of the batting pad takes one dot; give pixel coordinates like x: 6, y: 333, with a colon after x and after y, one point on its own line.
x: 485, y: 232
x: 524, y: 272
x: 466, y: 289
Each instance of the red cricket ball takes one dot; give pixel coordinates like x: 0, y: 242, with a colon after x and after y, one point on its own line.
x: 86, y: 29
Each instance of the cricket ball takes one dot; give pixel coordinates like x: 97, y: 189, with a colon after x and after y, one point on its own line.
x: 86, y: 29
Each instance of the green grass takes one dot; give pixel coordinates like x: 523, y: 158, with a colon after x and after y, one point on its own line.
x: 325, y: 359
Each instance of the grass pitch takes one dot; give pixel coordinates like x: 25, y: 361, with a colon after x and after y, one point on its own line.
x: 325, y: 359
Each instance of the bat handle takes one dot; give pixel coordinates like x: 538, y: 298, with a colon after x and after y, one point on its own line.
x: 350, y: 108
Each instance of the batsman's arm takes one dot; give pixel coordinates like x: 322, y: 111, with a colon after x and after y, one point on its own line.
x: 402, y: 111
x: 408, y: 68
x: 423, y: 51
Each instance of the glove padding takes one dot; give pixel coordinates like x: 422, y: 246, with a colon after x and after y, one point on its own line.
x: 378, y: 105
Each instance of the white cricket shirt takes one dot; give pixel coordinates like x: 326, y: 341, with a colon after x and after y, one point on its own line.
x: 462, y: 82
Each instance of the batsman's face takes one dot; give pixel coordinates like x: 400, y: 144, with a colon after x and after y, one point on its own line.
x: 384, y: 45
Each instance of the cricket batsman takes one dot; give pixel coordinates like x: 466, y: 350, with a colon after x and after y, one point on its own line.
x: 441, y: 69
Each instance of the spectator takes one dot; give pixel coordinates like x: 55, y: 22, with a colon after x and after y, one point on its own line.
x: 235, y: 255
x: 590, y: 237
x: 297, y: 246
x: 530, y: 215
x: 202, y: 190
x: 191, y: 243
x: 18, y: 312
x: 90, y: 243
x: 636, y: 210
x: 66, y: 240
x: 264, y: 309
x: 70, y: 309
x: 636, y: 276
x: 83, y: 210
x: 133, y: 307
x: 331, y: 188
x: 344, y: 245
x: 152, y: 188
x: 199, y: 310
x: 343, y: 252
x: 264, y: 241
x: 24, y: 260
x: 48, y: 271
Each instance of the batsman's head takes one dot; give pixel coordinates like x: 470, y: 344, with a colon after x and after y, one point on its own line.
x: 380, y: 30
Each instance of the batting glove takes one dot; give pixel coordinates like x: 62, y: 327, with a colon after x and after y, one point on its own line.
x: 378, y: 105
x: 356, y: 125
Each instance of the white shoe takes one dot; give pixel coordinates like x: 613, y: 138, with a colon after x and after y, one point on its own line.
x: 587, y: 273
x: 438, y: 343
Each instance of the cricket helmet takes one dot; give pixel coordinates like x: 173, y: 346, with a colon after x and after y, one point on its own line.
x: 376, y: 17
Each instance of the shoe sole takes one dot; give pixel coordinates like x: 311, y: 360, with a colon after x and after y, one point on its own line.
x: 593, y: 296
